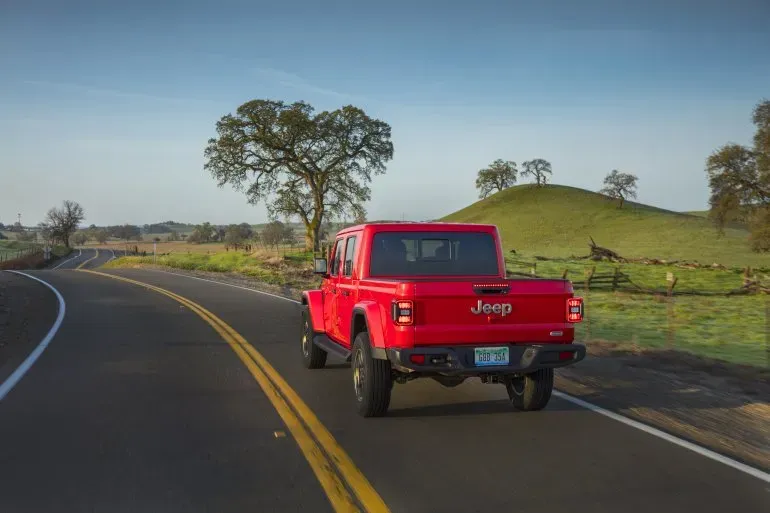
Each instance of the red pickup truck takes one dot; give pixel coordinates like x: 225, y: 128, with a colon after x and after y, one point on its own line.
x: 410, y: 300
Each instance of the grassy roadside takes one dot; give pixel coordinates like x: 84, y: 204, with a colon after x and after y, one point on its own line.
x: 293, y: 271
x: 727, y: 329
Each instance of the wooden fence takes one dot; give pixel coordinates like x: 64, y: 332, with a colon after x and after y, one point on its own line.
x: 620, y: 281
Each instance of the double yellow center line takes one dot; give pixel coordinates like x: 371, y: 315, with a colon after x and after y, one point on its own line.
x: 86, y: 261
x: 333, y: 468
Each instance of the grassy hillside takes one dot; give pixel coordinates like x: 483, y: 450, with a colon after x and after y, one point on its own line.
x: 556, y: 221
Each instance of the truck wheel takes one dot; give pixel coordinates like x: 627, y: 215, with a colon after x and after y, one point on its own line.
x: 530, y: 392
x: 312, y: 356
x: 372, y: 379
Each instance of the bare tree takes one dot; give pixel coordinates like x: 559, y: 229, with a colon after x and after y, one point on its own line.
x: 62, y: 222
x: 79, y: 238
x: 539, y: 169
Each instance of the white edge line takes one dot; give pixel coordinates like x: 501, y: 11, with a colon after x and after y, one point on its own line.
x: 80, y: 252
x: 667, y: 437
x: 596, y: 409
x: 22, y: 369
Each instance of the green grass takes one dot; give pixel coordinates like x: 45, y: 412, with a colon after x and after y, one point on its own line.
x: 729, y: 329
x: 292, y: 271
x: 556, y: 221
x: 9, y: 248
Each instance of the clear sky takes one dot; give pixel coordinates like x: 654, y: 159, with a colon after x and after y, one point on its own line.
x: 111, y: 103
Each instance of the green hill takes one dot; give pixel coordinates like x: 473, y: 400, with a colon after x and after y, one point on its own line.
x: 556, y: 221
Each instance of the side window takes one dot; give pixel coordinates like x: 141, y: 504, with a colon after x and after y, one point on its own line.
x: 350, y: 250
x: 335, y: 263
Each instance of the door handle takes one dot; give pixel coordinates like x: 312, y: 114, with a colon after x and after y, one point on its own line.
x: 345, y: 293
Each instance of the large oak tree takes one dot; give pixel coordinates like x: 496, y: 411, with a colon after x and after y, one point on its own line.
x: 298, y: 162
x: 499, y: 175
x: 739, y: 178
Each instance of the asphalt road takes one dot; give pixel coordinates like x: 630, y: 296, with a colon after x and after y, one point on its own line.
x: 85, y: 259
x: 139, y: 405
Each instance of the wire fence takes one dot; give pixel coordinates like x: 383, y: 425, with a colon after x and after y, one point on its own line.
x: 7, y: 255
x: 731, y: 329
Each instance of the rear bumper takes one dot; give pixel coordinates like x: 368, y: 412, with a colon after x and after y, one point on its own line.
x: 459, y: 360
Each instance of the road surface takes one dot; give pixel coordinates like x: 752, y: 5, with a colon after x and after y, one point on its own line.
x: 143, y: 402
x: 85, y: 259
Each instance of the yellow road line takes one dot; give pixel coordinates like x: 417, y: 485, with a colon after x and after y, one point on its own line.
x: 84, y: 263
x: 279, y: 393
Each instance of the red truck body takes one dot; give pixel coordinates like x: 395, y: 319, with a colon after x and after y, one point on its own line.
x: 434, y: 300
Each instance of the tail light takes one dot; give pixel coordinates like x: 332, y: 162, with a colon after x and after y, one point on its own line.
x: 417, y: 359
x: 402, y: 313
x: 575, y: 309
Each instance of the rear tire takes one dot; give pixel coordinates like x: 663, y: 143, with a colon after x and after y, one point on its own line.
x: 372, y: 379
x: 313, y: 357
x: 530, y: 392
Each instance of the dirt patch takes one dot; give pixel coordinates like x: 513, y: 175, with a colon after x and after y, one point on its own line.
x: 724, y: 407
x: 747, y: 379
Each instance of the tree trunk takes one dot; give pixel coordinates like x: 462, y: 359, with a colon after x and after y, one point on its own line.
x: 309, y: 244
x: 312, y: 230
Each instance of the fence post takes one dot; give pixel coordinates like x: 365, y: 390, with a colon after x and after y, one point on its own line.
x: 615, y: 278
x: 564, y: 274
x: 767, y: 330
x: 533, y: 270
x: 670, y: 284
x: 586, y: 311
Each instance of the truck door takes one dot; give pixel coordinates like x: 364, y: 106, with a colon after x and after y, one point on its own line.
x: 331, y: 292
x: 348, y: 291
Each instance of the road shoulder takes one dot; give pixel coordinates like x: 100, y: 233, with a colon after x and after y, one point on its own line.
x: 27, y: 311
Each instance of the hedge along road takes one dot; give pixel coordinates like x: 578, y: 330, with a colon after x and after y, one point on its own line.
x: 160, y: 414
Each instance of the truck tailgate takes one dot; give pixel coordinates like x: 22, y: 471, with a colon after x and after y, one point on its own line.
x: 472, y: 312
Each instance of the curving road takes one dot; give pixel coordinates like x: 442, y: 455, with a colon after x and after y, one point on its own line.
x: 145, y: 402
x: 85, y: 258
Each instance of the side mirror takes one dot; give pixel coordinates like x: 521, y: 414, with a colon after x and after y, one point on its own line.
x: 320, y: 266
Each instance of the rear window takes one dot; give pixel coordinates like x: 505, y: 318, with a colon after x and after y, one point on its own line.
x: 433, y: 254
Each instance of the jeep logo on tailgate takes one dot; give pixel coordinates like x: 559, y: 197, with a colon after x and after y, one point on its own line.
x: 498, y: 308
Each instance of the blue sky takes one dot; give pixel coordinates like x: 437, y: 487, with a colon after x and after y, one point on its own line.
x: 111, y: 103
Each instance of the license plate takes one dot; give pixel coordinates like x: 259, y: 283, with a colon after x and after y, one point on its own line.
x: 490, y: 356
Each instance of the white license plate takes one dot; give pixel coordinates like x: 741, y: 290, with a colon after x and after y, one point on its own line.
x: 490, y: 356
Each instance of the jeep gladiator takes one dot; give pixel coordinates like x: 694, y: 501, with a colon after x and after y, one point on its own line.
x: 402, y: 301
